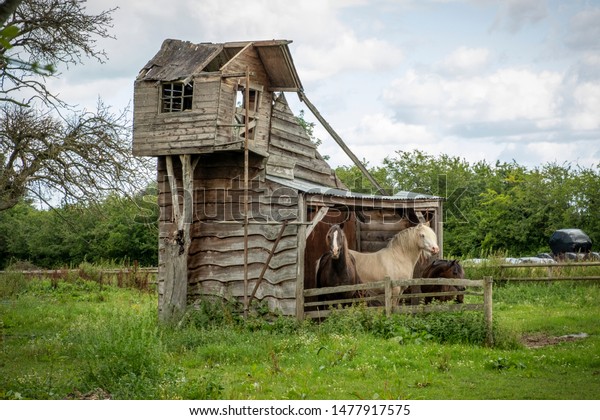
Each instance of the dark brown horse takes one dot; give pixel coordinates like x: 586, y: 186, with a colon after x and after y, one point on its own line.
x: 443, y: 269
x: 337, y: 266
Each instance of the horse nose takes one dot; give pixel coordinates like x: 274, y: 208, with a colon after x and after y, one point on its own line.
x: 435, y: 249
x: 335, y: 252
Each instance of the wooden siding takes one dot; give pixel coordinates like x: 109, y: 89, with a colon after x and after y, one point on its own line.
x: 216, y: 255
x: 217, y: 263
x: 246, y: 60
x: 173, y: 133
x: 292, y: 154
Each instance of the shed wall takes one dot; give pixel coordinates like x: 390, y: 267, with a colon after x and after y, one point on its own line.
x: 216, y: 255
x: 292, y: 154
x: 175, y: 133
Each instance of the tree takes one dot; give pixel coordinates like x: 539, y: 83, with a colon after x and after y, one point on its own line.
x: 48, y: 149
x: 48, y: 31
x: 80, y: 158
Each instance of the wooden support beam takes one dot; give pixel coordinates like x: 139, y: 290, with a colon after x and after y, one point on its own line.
x: 487, y: 309
x: 176, y: 247
x: 320, y: 215
x: 266, y: 265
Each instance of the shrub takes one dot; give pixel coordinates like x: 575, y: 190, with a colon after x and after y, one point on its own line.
x: 444, y: 327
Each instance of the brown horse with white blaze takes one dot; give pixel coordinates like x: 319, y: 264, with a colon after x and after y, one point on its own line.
x: 337, y: 267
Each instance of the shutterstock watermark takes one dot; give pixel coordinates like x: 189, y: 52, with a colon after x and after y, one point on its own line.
x: 272, y: 202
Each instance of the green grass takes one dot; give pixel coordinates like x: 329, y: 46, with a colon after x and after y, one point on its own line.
x: 72, y: 337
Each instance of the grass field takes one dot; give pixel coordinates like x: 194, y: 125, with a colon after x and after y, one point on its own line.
x: 75, y: 338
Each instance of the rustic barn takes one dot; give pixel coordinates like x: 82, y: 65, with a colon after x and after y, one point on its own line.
x: 245, y: 197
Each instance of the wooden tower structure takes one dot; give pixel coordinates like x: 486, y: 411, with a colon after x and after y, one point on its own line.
x: 245, y: 197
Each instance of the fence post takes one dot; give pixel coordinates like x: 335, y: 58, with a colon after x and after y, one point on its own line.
x: 487, y: 309
x: 388, y: 296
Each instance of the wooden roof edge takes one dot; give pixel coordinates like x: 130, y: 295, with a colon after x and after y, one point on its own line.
x: 261, y: 43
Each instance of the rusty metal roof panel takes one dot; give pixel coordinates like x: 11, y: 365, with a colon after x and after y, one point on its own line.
x: 312, y: 188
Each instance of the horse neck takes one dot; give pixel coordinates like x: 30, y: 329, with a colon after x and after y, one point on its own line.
x: 406, y: 248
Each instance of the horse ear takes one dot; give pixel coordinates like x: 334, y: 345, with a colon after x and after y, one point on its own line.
x: 455, y: 267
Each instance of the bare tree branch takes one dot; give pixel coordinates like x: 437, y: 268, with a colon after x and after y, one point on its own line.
x: 80, y: 159
x: 50, y: 32
x: 47, y: 148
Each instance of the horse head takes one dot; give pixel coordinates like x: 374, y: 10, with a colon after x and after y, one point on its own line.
x: 427, y: 240
x: 457, y: 270
x: 335, y: 241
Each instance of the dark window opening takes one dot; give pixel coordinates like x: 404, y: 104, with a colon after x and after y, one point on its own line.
x: 176, y: 97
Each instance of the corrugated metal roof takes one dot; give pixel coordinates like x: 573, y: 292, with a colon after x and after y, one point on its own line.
x: 312, y: 188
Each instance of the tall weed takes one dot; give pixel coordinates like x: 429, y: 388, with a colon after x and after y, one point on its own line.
x: 123, y: 354
x: 12, y: 284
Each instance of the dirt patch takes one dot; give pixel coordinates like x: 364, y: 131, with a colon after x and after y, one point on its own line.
x: 96, y: 394
x: 534, y: 341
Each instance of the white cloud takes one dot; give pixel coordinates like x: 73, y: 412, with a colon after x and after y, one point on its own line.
x: 379, y: 129
x: 584, y: 30
x: 585, y: 115
x: 114, y: 92
x: 325, y: 59
x: 465, y: 60
x: 506, y: 94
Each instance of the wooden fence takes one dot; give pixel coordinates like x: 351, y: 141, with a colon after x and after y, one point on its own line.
x: 61, y: 271
x: 550, y: 270
x: 139, y: 277
x: 313, y: 309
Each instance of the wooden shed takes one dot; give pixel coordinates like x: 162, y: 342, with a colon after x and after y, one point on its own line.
x: 245, y: 198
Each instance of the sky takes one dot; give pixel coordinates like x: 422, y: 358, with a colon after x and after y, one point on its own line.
x: 479, y: 79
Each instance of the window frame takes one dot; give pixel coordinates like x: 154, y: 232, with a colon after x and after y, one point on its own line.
x: 176, y: 96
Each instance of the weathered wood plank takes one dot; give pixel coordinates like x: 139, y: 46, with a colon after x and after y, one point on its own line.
x: 235, y: 274
x: 212, y: 243
x: 281, y: 257
x: 282, y: 290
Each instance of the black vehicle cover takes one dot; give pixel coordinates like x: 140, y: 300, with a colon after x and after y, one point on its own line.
x: 570, y: 240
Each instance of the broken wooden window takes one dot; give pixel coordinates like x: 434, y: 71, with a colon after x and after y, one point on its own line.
x: 253, y: 106
x: 176, y: 96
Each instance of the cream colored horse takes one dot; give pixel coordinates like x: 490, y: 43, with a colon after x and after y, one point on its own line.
x: 397, y: 260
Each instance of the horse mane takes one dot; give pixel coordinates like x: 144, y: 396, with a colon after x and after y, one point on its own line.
x: 440, y: 266
x: 399, y: 239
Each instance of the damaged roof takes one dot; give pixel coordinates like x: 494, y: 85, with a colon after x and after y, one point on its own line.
x: 177, y: 60
x: 313, y: 188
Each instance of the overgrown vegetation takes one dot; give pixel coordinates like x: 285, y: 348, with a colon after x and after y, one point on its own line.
x: 82, y: 336
x: 118, y: 230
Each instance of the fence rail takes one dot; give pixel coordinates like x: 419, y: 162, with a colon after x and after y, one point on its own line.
x: 148, y: 270
x: 550, y: 271
x: 390, y: 301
